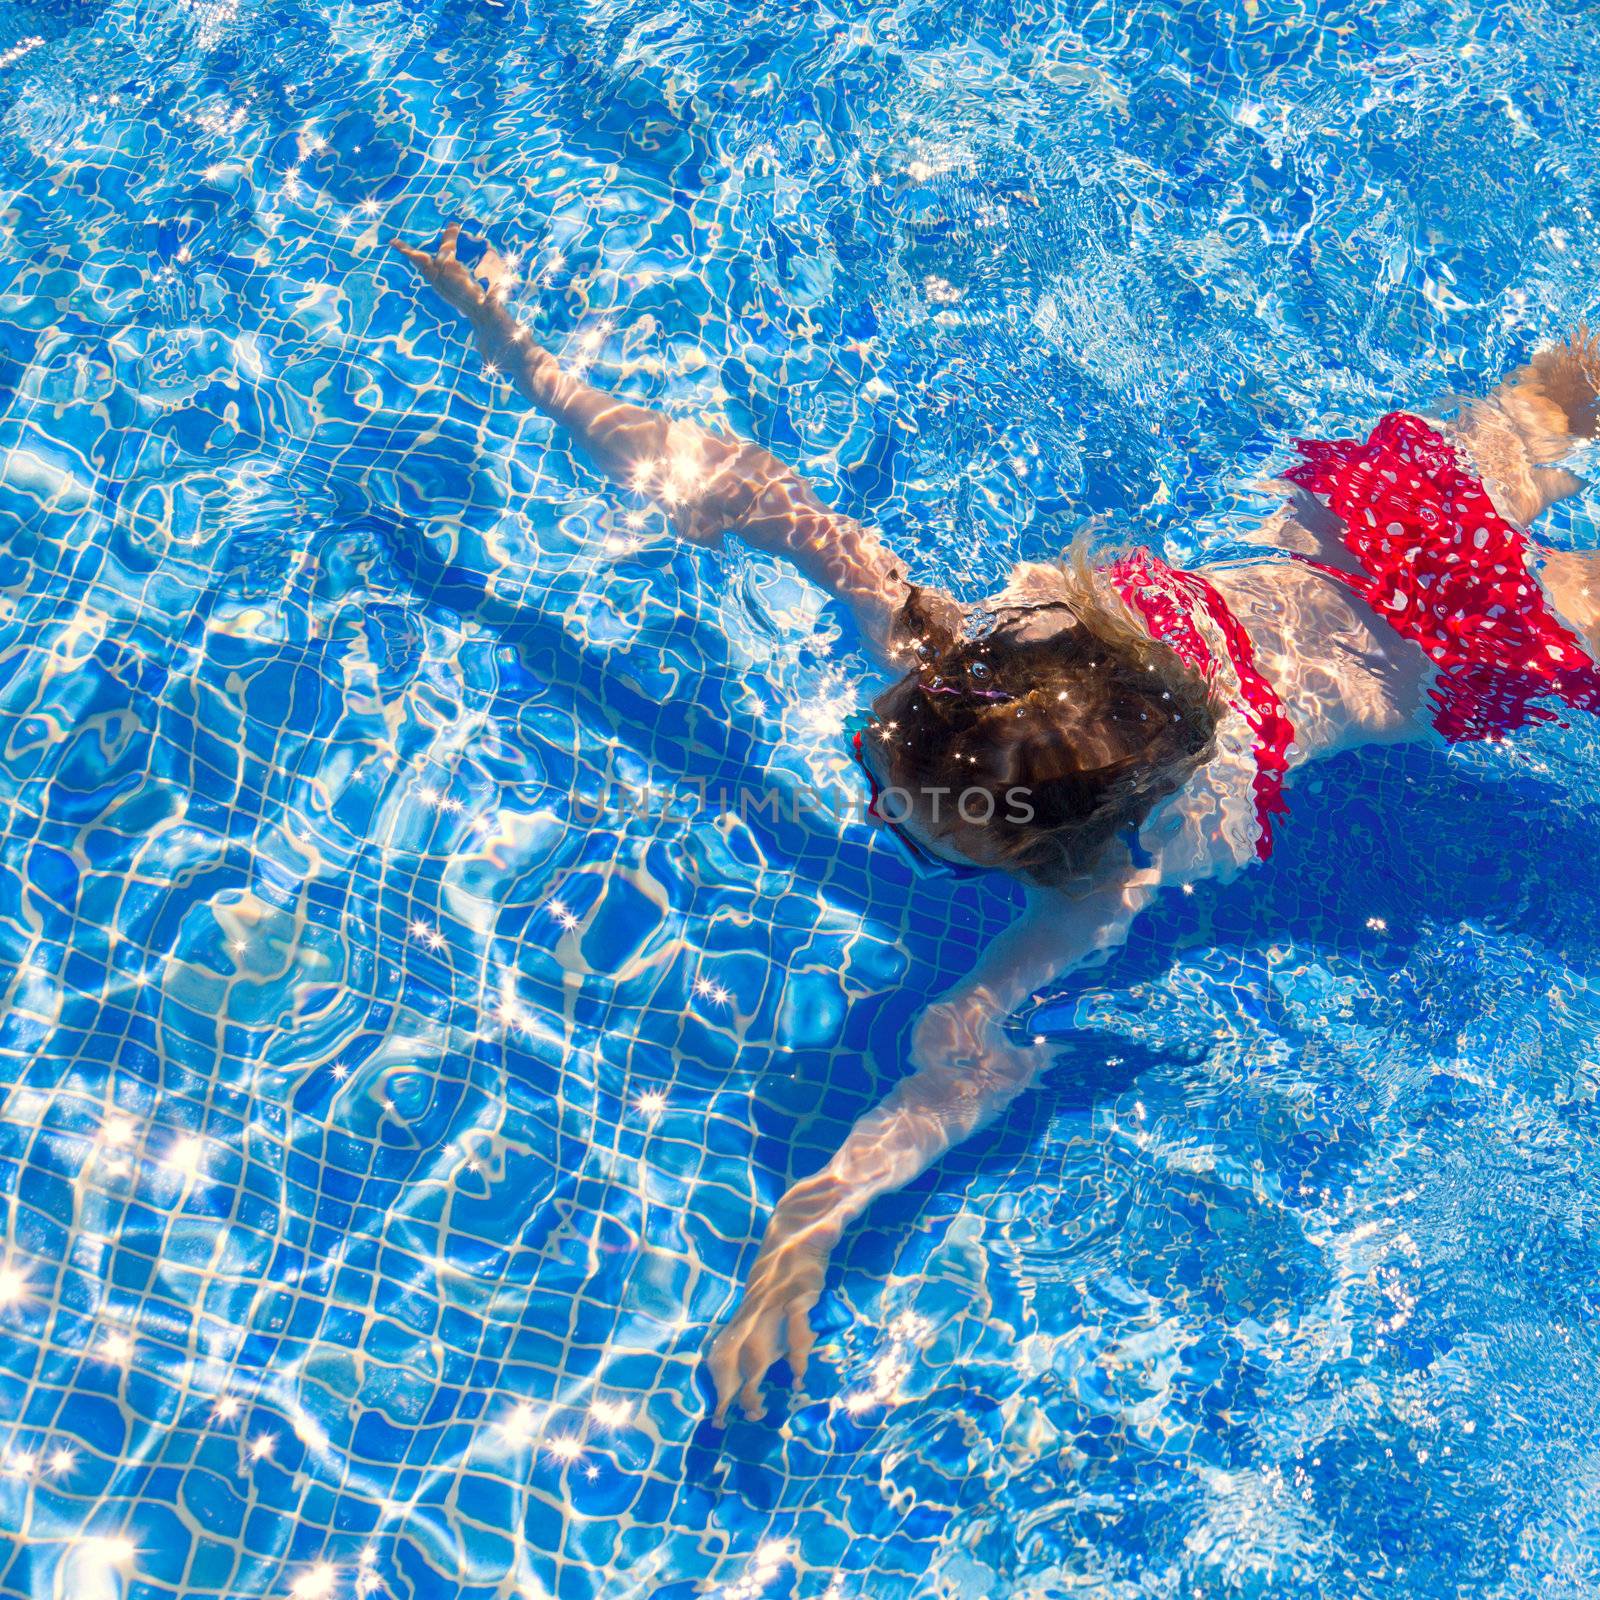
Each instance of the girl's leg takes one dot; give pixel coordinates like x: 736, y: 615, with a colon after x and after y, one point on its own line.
x: 1572, y: 580
x: 1530, y: 422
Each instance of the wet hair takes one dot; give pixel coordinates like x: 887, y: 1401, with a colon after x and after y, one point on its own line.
x: 1069, y: 702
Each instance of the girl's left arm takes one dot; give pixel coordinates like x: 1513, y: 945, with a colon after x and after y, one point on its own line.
x: 707, y: 483
x: 966, y: 1072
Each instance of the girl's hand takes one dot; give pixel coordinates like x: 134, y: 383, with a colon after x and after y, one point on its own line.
x: 774, y: 1315
x: 967, y: 1070
x: 457, y: 284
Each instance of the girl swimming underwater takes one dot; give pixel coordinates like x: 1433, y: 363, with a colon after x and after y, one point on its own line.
x: 1149, y: 716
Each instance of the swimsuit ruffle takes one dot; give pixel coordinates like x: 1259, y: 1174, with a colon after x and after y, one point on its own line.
x: 1444, y: 569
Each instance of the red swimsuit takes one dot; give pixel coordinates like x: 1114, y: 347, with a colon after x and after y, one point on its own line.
x: 1441, y: 565
x: 1437, y: 562
x: 1167, y: 599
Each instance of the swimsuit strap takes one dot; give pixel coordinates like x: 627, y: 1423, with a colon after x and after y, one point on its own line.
x: 1443, y: 568
x: 1167, y: 599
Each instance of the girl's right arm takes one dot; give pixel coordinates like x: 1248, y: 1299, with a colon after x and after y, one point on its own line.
x: 707, y: 483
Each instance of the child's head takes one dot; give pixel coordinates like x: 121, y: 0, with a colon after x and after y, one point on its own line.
x: 1030, y: 746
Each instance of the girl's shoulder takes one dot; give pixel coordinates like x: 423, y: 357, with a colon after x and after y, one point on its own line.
x: 1032, y: 583
x: 1037, y: 586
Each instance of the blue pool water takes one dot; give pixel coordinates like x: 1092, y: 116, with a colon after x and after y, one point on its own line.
x: 383, y: 1135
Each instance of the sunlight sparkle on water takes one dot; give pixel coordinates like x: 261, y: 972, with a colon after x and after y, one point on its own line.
x: 19, y: 50
x: 771, y: 1556
x: 187, y: 1155
x: 117, y: 1131
x: 316, y: 1583
x: 610, y: 1413
x: 522, y: 1424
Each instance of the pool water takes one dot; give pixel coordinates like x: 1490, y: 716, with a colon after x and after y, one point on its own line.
x: 393, y: 1098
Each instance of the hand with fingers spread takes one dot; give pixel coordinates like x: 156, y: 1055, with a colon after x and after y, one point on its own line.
x: 774, y: 1316
x: 457, y: 284
x: 478, y: 293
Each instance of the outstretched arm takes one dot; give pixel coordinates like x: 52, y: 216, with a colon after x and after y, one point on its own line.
x: 966, y: 1072
x: 707, y: 483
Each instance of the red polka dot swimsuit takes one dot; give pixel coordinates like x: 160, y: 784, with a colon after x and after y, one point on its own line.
x: 1436, y: 561
x: 1446, y: 571
x: 1168, y: 600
